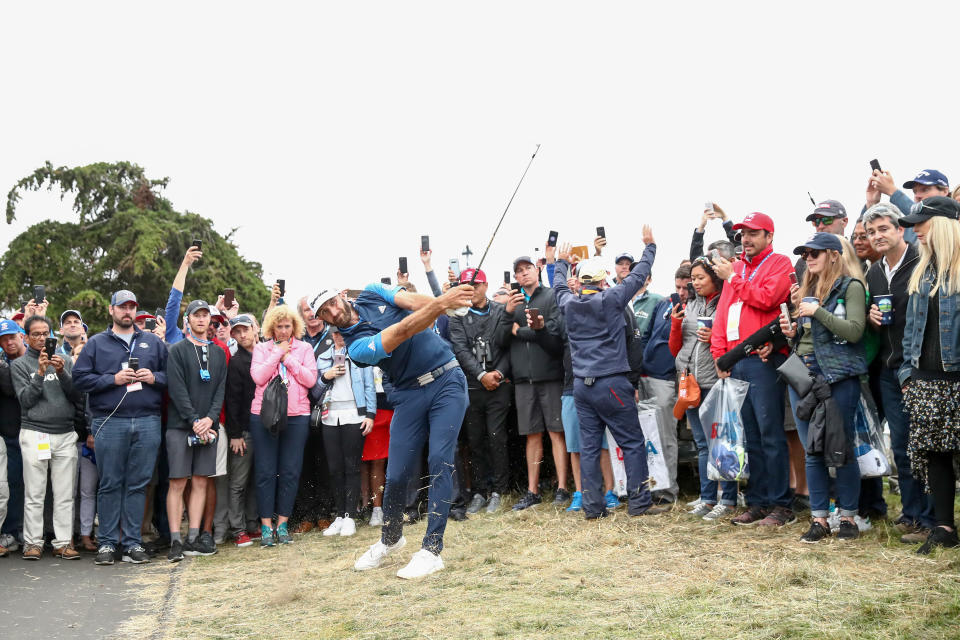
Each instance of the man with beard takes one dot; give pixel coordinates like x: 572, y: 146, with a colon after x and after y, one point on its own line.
x: 393, y: 329
x: 756, y: 286
x: 125, y: 402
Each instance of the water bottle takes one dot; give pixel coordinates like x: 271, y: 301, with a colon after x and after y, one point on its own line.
x: 840, y: 312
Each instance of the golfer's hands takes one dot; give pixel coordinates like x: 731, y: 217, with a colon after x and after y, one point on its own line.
x: 458, y: 296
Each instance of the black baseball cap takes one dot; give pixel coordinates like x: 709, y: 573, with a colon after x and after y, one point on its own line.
x: 931, y: 207
x: 197, y: 305
x: 828, y: 209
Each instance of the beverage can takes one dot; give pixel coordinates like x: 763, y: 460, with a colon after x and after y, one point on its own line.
x: 805, y: 321
x: 885, y: 304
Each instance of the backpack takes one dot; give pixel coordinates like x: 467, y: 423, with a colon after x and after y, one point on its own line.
x: 634, y: 346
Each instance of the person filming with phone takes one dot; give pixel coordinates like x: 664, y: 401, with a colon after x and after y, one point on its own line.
x: 44, y: 387
x: 123, y: 372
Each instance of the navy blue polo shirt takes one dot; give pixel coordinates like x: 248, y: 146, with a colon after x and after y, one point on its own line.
x: 420, y: 354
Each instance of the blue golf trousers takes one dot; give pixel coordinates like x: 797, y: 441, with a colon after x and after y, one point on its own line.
x: 609, y: 402
x: 431, y: 414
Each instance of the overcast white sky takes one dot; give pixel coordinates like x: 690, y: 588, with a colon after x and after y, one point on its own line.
x: 335, y: 134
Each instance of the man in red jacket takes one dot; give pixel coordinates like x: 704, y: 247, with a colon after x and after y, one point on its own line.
x: 755, y: 287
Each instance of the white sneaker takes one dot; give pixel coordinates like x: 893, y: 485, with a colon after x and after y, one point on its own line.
x: 718, y: 512
x: 423, y: 563
x: 334, y: 528
x: 863, y: 524
x: 376, y: 518
x: 348, y: 527
x: 375, y: 555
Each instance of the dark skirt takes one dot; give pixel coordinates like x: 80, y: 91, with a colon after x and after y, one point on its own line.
x: 934, y: 410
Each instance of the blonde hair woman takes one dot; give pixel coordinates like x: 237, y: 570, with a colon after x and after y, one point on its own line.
x: 830, y: 345
x: 930, y: 373
x: 279, y: 456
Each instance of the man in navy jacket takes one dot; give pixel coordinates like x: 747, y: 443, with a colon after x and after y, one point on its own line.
x: 125, y: 403
x: 603, y: 394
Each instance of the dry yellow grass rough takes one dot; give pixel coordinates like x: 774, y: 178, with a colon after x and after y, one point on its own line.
x: 548, y: 574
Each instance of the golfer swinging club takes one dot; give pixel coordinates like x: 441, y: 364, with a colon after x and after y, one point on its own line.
x: 392, y: 328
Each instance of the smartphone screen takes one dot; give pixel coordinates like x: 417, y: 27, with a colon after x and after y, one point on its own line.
x: 424, y: 243
x: 403, y: 265
x: 793, y: 277
x: 39, y: 293
x: 50, y: 346
x: 875, y: 165
x: 283, y: 286
x: 552, y: 239
x: 228, y: 297
x: 601, y: 232
x: 455, y: 266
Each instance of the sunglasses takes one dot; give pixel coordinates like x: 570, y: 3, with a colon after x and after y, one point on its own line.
x: 810, y: 253
x: 215, y: 324
x: 860, y: 237
x: 825, y: 221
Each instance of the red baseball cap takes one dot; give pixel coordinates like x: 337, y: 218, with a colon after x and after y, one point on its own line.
x: 756, y: 220
x: 144, y: 316
x: 468, y: 274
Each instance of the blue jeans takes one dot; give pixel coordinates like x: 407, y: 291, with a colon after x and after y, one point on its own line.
x: 126, y: 454
x: 609, y: 402
x: 708, y: 487
x: 917, y: 506
x: 846, y: 394
x: 277, y: 462
x: 431, y: 414
x: 13, y: 524
x: 762, y: 412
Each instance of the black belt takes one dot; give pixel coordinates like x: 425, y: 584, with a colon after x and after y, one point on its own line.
x: 430, y: 376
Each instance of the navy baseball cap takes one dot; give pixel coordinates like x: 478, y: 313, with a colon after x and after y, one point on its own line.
x: 828, y: 209
x: 623, y: 256
x: 821, y: 241
x: 931, y: 207
x: 122, y: 297
x: 242, y: 320
x: 928, y: 177
x: 8, y: 327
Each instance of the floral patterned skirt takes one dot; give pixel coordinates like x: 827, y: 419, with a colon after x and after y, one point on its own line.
x: 934, y: 410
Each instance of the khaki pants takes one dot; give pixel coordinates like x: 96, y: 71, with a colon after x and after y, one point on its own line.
x: 63, y: 472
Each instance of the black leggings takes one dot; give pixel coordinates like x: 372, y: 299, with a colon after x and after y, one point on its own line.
x: 943, y: 482
x: 344, y: 447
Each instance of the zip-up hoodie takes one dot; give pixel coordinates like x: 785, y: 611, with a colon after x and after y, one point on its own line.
x: 103, y: 357
x: 891, y: 336
x: 301, y: 374
x: 535, y: 355
x: 692, y: 354
x: 47, y: 403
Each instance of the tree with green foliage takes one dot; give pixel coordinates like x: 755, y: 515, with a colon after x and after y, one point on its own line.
x: 128, y: 237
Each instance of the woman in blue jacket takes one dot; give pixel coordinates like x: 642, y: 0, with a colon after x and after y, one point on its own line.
x: 347, y: 396
x: 930, y: 373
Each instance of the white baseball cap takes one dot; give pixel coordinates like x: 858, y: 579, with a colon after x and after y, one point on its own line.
x: 325, y: 294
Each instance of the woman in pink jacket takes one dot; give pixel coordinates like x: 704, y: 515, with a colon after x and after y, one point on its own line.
x: 278, y: 458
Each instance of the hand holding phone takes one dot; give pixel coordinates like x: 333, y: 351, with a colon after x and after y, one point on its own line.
x: 229, y: 295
